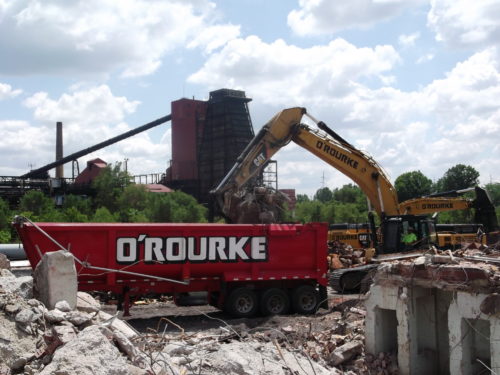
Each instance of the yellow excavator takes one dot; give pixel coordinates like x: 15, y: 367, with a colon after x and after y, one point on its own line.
x: 395, y: 220
x: 449, y: 236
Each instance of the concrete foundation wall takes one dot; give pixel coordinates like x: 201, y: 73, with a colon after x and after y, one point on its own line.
x: 474, y: 336
x: 433, y: 331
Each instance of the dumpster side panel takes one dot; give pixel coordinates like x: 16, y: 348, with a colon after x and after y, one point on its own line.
x: 203, y: 254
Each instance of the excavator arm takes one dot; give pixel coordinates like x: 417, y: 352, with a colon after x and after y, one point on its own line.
x: 271, y: 138
x: 353, y: 163
x: 327, y: 145
x: 452, y: 200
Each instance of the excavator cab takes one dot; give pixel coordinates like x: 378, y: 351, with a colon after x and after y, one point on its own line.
x: 396, y: 228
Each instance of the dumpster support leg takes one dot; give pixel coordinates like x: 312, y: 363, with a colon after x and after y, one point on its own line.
x: 126, y: 302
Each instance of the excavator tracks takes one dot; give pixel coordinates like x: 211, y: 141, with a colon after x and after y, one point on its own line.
x: 351, y: 280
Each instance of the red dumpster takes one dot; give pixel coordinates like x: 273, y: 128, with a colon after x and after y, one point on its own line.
x: 225, y: 260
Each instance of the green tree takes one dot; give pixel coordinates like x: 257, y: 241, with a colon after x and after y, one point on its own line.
x: 412, y: 185
x: 175, y: 207
x: 458, y: 177
x: 456, y: 217
x: 81, y: 204
x: 302, y: 198
x: 38, y: 207
x: 102, y: 215
x: 5, y: 219
x: 348, y: 193
x: 36, y: 202
x: 310, y: 211
x: 323, y: 195
x: 109, y: 185
x: 132, y: 203
x: 350, y: 213
x: 73, y: 215
x: 494, y: 192
x: 329, y: 212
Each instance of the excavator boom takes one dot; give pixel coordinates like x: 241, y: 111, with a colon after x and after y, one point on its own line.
x: 328, y: 146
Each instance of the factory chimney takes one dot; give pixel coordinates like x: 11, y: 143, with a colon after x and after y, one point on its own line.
x: 59, y: 149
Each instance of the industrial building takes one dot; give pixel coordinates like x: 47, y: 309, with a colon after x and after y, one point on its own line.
x: 207, y: 138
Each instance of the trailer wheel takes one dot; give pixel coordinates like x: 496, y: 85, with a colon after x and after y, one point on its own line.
x: 274, y: 301
x: 305, y: 299
x: 242, y: 302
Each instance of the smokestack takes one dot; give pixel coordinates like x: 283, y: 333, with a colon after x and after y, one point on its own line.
x: 59, y: 149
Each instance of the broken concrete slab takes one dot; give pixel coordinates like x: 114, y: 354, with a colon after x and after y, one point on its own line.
x: 86, y: 303
x: 90, y: 353
x: 21, y: 286
x: 113, y: 323
x: 345, y: 352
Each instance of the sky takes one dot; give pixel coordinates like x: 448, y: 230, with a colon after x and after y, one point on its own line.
x: 414, y: 83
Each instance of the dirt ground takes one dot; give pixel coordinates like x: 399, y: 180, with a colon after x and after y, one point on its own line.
x: 155, y: 315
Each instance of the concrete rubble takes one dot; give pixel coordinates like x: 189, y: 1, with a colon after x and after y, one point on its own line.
x: 341, y: 255
x: 256, y: 205
x: 87, y: 340
x: 436, y: 313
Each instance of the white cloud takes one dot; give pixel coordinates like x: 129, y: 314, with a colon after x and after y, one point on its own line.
x: 6, y: 91
x: 89, y: 116
x: 92, y: 107
x: 465, y: 121
x: 316, y: 17
x: 471, y: 88
x: 451, y: 120
x: 95, y: 36
x: 425, y: 58
x: 408, y: 40
x: 215, y: 37
x: 282, y: 74
x: 465, y: 23
x: 23, y: 145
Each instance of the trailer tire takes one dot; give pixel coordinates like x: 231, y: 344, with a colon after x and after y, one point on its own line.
x: 242, y: 303
x: 274, y: 301
x: 305, y: 299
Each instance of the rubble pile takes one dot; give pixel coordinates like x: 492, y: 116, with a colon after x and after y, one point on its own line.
x: 474, y: 267
x: 341, y: 255
x: 86, y: 340
x: 328, y: 343
x: 476, y: 248
x: 35, y: 340
x: 256, y: 205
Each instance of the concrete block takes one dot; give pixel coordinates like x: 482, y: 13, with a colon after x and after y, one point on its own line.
x: 4, y: 262
x: 55, y: 279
